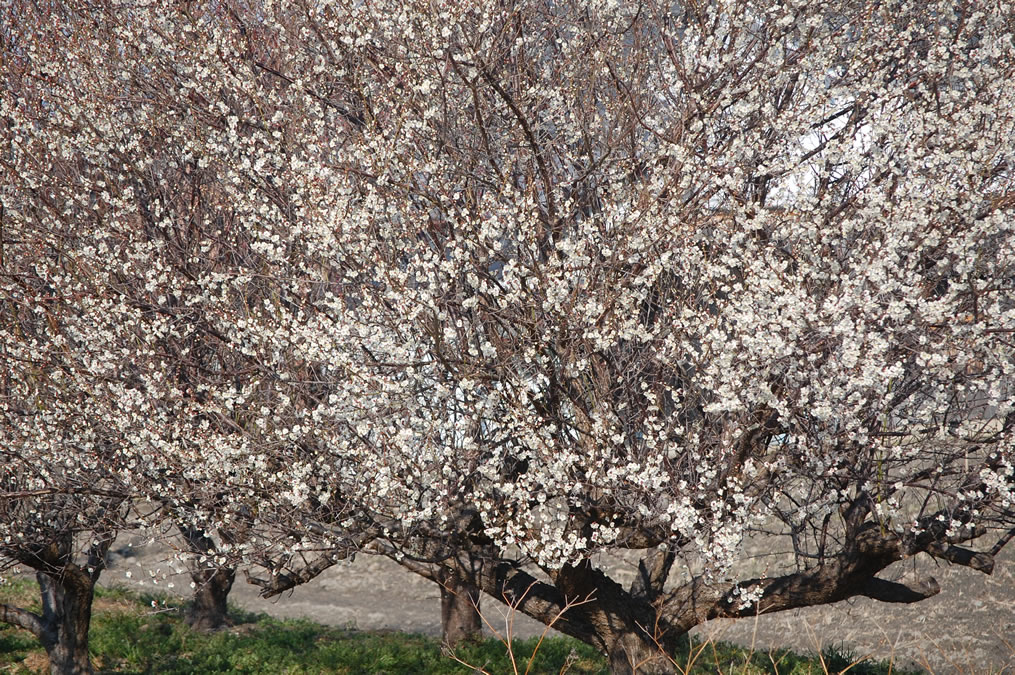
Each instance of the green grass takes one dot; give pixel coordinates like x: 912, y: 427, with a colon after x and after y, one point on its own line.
x: 129, y: 635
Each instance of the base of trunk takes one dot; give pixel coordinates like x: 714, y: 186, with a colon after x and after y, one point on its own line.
x: 209, y: 610
x: 460, y: 619
x: 630, y: 654
x: 67, y: 612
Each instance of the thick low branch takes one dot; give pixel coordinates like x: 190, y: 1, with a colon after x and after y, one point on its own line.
x: 852, y: 572
x: 544, y: 602
x: 507, y: 582
x: 1002, y: 542
x: 22, y: 618
x: 614, y: 611
x: 899, y: 591
x: 280, y: 582
x: 981, y: 562
x: 427, y: 570
x: 841, y: 577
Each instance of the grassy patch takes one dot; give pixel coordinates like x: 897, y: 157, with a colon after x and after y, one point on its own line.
x: 144, y: 633
x: 722, y: 657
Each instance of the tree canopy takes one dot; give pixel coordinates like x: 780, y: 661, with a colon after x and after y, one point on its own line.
x: 497, y: 286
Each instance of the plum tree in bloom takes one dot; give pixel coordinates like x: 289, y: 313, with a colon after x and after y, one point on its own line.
x: 493, y: 288
x: 64, y: 484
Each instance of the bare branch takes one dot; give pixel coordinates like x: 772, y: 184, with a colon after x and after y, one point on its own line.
x: 981, y: 562
x: 280, y: 582
x: 22, y: 618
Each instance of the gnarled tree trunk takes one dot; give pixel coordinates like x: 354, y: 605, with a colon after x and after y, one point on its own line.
x: 626, y: 624
x: 208, y: 608
x: 460, y: 618
x: 460, y: 579
x: 66, y: 615
x: 67, y: 590
x: 631, y: 652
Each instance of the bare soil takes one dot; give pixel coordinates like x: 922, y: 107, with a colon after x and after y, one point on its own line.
x: 968, y: 628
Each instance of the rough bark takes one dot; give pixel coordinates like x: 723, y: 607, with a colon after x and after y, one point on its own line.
x: 212, y: 583
x: 581, y: 602
x: 458, y: 579
x: 208, y: 608
x: 630, y: 654
x: 632, y: 633
x: 66, y: 615
x: 66, y: 589
x: 851, y: 573
x: 639, y: 635
x: 460, y: 617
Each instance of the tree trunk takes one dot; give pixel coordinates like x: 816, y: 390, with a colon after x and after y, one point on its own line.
x: 460, y: 618
x: 630, y: 654
x: 66, y: 614
x: 635, y: 637
x: 208, y: 609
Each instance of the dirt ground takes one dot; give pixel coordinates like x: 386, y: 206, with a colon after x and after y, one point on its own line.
x: 968, y: 628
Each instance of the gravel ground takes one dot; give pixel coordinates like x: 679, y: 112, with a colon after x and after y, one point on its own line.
x: 968, y: 628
